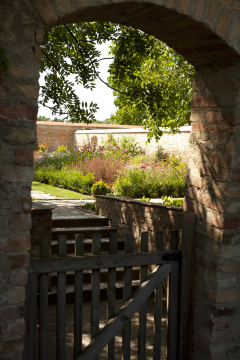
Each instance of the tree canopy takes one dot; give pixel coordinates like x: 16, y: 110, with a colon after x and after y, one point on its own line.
x: 151, y: 82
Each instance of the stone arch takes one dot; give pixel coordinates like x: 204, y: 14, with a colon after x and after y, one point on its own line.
x: 207, y: 34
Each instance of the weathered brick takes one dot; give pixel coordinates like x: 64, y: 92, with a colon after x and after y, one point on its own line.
x: 198, y: 126
x: 199, y: 9
x: 19, y: 224
x: 184, y: 6
x: 204, y: 101
x: 15, y: 243
x: 234, y: 175
x: 233, y: 192
x: 234, y: 31
x: 223, y: 297
x: 16, y: 329
x: 223, y: 24
x: 235, y: 350
x: 220, y: 311
x: 30, y: 91
x: 23, y: 155
x: 213, y: 13
x: 19, y: 112
x: 39, y: 34
x: 231, y: 148
x: 37, y: 55
x: 228, y: 267
x: 16, y: 296
x: 17, y: 277
x: 63, y: 7
x: 15, y: 174
x: 12, y: 312
x: 218, y: 325
x: 47, y: 11
x: 231, y: 223
x: 231, y: 4
x: 11, y: 346
x: 21, y: 135
x: 18, y: 261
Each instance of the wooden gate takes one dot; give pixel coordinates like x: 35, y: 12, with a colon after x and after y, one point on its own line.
x: 160, y: 264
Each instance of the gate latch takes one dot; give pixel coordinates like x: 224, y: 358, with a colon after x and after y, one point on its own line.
x: 171, y: 257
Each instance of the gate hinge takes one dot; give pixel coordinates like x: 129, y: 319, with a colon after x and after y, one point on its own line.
x: 171, y: 257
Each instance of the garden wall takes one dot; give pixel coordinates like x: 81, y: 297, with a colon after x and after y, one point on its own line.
x: 176, y: 144
x: 138, y: 216
x: 59, y: 133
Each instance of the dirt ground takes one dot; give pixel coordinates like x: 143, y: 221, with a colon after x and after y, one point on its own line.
x: 103, y: 319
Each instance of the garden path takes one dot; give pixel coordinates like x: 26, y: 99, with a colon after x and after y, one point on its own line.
x: 61, y: 207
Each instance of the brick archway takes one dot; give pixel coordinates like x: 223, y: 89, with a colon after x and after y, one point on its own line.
x: 207, y: 34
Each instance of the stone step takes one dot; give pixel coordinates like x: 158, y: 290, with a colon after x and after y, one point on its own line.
x: 70, y: 294
x: 79, y: 221
x: 87, y: 246
x: 70, y: 276
x: 70, y: 232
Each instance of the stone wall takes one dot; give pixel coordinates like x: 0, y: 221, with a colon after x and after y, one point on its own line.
x: 59, y: 133
x: 137, y: 216
x: 174, y: 144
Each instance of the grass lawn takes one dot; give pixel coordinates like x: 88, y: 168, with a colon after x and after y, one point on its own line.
x: 58, y: 192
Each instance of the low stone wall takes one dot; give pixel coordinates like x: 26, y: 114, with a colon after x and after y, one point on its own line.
x: 138, y: 216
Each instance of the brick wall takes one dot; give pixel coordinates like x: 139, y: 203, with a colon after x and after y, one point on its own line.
x: 41, y: 227
x: 138, y: 216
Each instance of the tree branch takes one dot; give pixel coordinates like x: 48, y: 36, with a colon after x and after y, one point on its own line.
x: 93, y: 66
x: 63, y: 78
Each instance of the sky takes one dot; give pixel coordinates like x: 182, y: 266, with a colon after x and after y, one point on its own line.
x: 101, y: 95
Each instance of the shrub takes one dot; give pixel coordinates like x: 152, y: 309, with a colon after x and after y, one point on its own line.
x: 136, y: 182
x: 72, y: 180
x: 160, y: 154
x: 129, y: 143
x: 100, y: 188
x: 173, y: 202
x: 150, y: 180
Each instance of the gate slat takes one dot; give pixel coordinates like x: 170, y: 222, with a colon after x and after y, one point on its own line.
x: 95, y: 301
x: 124, y: 314
x: 126, y: 332
x: 78, y: 301
x: 111, y: 293
x: 43, y: 304
x: 157, y: 340
x: 173, y: 305
x: 142, y: 334
x: 31, y: 316
x: 61, y: 302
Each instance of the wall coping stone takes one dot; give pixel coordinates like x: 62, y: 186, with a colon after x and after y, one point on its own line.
x: 145, y: 203
x: 128, y: 131
x: 87, y: 126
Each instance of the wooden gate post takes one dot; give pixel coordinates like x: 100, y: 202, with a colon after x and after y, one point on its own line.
x: 187, y: 286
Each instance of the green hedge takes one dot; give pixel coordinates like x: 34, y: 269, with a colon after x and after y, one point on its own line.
x: 71, y: 180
